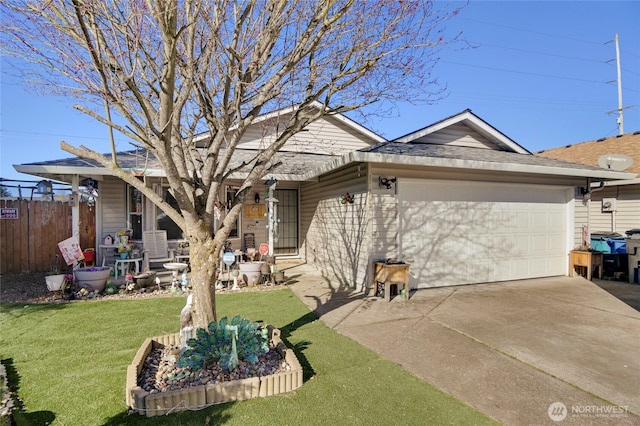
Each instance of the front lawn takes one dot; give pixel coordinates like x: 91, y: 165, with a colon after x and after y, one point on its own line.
x: 70, y: 361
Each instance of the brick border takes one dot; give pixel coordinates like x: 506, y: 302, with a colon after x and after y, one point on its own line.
x: 198, y: 397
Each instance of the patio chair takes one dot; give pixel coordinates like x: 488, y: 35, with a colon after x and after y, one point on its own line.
x: 155, y: 248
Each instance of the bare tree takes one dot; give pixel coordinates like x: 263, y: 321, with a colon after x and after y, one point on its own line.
x: 172, y: 70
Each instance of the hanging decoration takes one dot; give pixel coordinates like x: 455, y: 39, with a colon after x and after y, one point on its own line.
x: 346, y: 198
x: 90, y: 191
x: 137, y: 198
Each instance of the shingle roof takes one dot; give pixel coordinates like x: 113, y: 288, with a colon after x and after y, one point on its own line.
x: 294, y: 164
x: 471, y: 154
x: 590, y: 152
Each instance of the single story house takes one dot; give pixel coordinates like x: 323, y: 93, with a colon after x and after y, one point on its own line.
x: 458, y: 200
x: 613, y: 208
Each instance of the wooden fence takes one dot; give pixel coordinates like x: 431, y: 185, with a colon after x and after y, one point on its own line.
x: 29, y: 243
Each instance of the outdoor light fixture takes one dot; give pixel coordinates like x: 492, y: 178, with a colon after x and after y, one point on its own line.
x: 257, y: 198
x: 386, y: 182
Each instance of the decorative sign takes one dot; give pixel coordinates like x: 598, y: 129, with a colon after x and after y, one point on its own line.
x: 263, y: 249
x: 228, y: 258
x: 8, y: 213
x: 254, y: 211
x: 617, y: 162
x: 70, y: 249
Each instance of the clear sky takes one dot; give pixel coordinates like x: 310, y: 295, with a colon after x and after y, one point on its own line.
x: 538, y: 72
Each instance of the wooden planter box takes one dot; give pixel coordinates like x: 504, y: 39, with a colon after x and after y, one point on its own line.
x: 198, y: 397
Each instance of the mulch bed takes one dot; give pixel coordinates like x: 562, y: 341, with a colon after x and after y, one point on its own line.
x: 31, y: 288
x: 26, y: 287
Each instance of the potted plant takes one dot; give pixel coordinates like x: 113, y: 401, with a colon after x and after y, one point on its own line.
x: 278, y: 276
x: 127, y: 250
x: 54, y: 279
x: 124, y: 236
x: 251, y: 272
x: 123, y: 250
x: 94, y: 277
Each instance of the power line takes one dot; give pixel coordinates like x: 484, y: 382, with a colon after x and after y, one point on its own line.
x: 531, y: 31
x: 57, y: 135
x: 541, y: 53
x: 523, y: 72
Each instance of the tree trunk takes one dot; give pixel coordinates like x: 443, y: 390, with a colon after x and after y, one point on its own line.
x: 204, y: 267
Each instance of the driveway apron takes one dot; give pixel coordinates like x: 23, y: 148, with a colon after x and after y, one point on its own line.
x: 546, y: 351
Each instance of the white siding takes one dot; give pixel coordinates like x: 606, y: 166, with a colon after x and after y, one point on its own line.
x: 335, y: 236
x: 324, y: 136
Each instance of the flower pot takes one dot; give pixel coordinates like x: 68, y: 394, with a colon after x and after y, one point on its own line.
x: 54, y: 282
x: 278, y: 277
x: 251, y: 272
x: 95, y: 278
x: 124, y: 255
x: 146, y: 279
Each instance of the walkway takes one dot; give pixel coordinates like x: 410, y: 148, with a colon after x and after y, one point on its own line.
x: 510, y: 350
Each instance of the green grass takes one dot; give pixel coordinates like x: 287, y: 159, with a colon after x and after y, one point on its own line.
x: 70, y: 361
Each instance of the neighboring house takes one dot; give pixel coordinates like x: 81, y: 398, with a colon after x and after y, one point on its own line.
x: 458, y: 200
x: 615, y: 208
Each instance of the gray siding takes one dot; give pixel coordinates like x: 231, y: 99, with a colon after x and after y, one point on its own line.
x: 459, y: 135
x: 335, y: 236
x: 626, y: 216
x: 112, y: 201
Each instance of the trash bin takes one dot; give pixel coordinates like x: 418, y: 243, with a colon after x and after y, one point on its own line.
x: 618, y: 245
x: 600, y: 244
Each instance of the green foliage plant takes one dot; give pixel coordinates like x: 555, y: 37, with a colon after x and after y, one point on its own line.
x: 214, y: 344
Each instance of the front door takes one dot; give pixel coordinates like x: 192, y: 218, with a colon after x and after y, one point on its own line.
x: 286, y: 242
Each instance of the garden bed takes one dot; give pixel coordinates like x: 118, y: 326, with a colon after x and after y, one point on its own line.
x: 197, y: 397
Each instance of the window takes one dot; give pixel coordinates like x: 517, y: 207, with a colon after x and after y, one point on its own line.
x: 134, y: 212
x: 231, y: 193
x: 163, y: 221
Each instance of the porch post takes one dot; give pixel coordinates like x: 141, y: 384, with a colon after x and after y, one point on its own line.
x: 75, y: 207
x: 272, y: 219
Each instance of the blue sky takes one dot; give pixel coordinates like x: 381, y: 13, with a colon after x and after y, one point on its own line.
x: 538, y: 72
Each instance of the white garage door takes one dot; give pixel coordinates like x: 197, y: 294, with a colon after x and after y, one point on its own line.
x: 456, y: 233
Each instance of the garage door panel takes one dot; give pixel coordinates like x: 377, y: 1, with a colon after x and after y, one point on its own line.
x: 461, y: 233
x: 555, y: 266
x: 519, y: 245
x: 521, y: 218
x: 538, y: 243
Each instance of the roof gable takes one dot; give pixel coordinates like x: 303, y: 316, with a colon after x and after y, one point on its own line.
x: 332, y: 134
x: 464, y: 129
x: 590, y: 152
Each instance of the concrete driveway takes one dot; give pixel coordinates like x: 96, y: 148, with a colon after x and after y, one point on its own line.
x: 546, y: 351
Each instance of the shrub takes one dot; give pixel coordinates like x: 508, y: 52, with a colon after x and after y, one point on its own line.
x: 215, y: 344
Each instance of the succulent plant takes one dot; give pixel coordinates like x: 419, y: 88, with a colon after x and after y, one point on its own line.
x: 214, y: 344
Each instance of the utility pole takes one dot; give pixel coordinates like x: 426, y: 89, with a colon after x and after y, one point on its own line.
x: 620, y: 119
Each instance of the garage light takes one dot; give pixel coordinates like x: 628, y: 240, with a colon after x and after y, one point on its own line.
x: 386, y: 182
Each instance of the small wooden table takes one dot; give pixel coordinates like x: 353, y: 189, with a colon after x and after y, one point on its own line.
x: 586, y: 259
x: 392, y: 273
